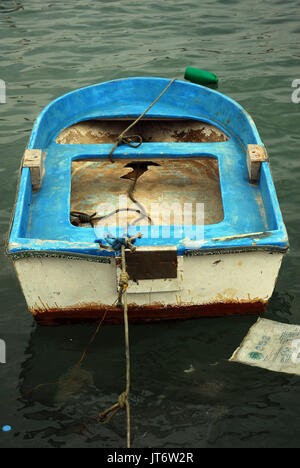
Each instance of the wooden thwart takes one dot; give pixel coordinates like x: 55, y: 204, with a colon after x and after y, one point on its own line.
x: 33, y: 158
x: 256, y: 155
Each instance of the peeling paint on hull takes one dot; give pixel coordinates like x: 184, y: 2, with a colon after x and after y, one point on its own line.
x: 60, y: 291
x: 142, y: 314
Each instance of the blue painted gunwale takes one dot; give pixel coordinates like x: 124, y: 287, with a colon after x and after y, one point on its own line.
x: 41, y: 220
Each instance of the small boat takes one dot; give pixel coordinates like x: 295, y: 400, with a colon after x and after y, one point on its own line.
x: 190, y: 184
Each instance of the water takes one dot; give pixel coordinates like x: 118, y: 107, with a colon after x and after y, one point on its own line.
x: 184, y: 392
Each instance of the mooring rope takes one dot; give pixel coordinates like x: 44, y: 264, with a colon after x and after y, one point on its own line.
x: 129, y: 140
x: 123, y: 399
x: 67, y: 379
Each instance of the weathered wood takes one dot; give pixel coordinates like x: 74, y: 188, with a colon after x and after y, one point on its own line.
x: 33, y: 158
x: 255, y: 156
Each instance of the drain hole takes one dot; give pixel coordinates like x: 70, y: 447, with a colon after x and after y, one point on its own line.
x: 139, y: 167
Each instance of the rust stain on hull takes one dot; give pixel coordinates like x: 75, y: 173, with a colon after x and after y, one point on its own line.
x: 144, y: 314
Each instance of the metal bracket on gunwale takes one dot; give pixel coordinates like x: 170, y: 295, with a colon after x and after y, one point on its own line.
x: 256, y: 155
x: 34, y: 159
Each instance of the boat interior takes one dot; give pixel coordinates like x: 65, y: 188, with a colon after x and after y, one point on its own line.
x: 175, y: 184
x: 174, y: 161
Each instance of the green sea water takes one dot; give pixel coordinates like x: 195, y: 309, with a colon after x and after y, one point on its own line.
x: 185, y: 393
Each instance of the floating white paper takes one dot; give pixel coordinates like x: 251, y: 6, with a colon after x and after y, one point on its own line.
x: 271, y: 345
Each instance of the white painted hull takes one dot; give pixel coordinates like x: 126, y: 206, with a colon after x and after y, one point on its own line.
x: 61, y: 290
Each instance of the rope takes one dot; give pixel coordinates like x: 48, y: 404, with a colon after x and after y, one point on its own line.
x: 92, y: 339
x: 66, y: 380
x: 129, y: 140
x: 130, y: 195
x: 123, y: 399
x: 84, y: 218
x: 78, y: 217
x: 116, y: 243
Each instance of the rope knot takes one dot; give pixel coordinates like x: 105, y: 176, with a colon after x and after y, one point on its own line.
x: 116, y: 243
x: 81, y: 218
x: 124, y: 279
x: 122, y: 399
x: 131, y: 140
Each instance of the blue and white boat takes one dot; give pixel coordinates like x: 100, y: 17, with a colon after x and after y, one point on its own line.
x: 193, y: 177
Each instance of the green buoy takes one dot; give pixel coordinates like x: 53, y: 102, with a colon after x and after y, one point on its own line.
x: 201, y: 77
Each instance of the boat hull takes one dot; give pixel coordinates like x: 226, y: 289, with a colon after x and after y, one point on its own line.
x: 68, y: 290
